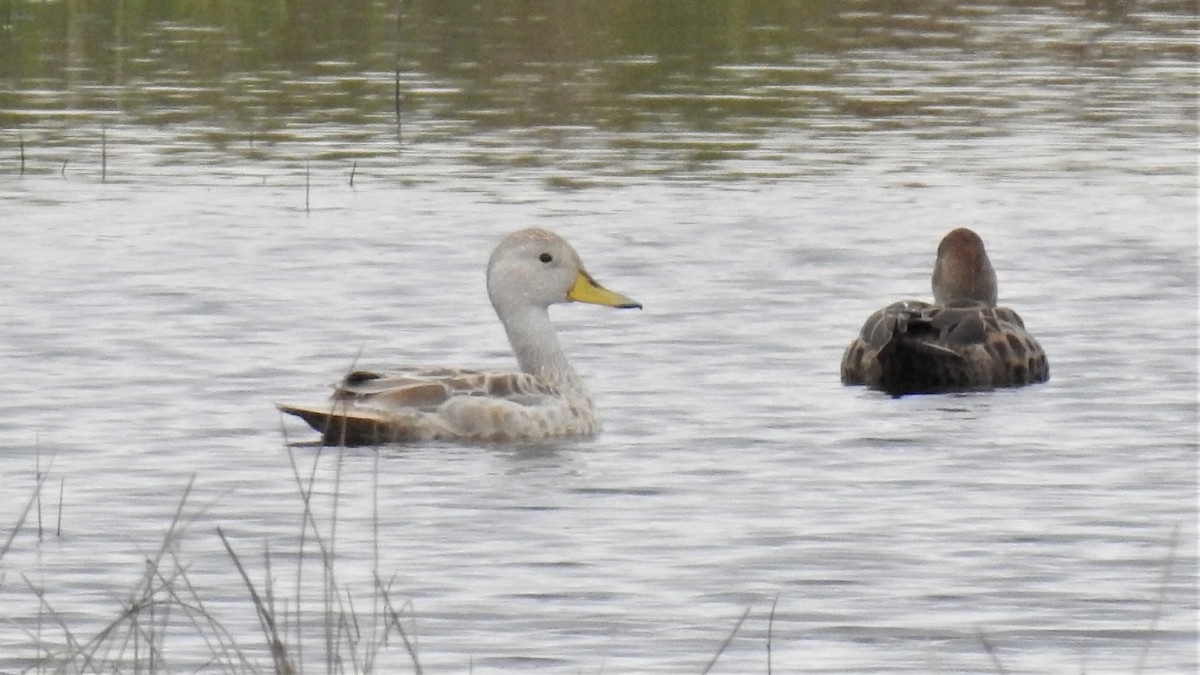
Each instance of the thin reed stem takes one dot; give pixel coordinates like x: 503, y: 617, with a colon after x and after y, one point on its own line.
x: 62, y: 485
x: 37, y: 463
x: 991, y: 651
x: 12, y: 531
x: 43, y: 604
x: 1161, y: 600
x: 726, y: 643
x: 274, y: 644
x: 770, y: 629
x: 394, y: 617
x: 399, y: 126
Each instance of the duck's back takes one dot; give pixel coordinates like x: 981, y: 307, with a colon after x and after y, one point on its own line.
x: 914, y: 347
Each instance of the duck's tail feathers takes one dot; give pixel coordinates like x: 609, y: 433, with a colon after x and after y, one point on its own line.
x: 340, y: 425
x: 914, y: 366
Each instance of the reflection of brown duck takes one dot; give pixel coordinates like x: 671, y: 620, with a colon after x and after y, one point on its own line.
x: 529, y: 271
x: 961, y: 342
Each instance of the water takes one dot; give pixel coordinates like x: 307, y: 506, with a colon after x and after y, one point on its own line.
x: 208, y: 222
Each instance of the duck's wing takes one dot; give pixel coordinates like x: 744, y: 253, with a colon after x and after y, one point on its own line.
x: 860, y: 361
x: 1003, y: 352
x: 416, y: 404
x: 428, y: 388
x: 917, y: 348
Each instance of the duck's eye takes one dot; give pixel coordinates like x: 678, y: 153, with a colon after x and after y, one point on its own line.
x: 546, y: 258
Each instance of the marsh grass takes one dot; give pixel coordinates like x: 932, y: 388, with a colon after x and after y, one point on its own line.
x: 167, y: 621
x: 168, y: 611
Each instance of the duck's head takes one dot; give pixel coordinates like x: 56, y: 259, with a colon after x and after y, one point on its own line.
x: 536, y: 267
x: 962, y: 270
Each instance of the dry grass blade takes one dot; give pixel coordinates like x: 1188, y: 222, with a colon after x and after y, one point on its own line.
x: 394, y: 619
x: 225, y: 646
x: 991, y: 651
x: 103, y: 155
x: 727, y: 642
x: 139, y: 635
x: 770, y: 631
x: 1172, y: 547
x: 399, y: 127
x: 62, y: 486
x: 278, y: 652
x: 89, y: 651
x: 144, y: 597
x: 41, y: 596
x: 33, y: 498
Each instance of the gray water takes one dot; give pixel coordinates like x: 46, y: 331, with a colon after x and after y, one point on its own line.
x: 204, y: 215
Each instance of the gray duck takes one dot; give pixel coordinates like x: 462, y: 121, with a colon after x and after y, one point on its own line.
x: 528, y: 271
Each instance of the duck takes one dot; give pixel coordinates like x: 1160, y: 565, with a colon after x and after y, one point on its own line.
x: 962, y: 341
x: 528, y: 271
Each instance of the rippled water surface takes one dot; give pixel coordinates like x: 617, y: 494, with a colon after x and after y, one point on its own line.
x: 203, y: 215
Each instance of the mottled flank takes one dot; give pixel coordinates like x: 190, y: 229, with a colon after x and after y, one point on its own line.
x: 529, y: 271
x: 962, y: 342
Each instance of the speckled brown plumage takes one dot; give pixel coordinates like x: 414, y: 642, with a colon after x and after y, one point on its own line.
x: 962, y: 342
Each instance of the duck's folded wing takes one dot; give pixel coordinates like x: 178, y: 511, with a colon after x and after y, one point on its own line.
x: 916, y: 347
x: 860, y: 363
x: 882, y: 326
x: 954, y: 327
x: 996, y: 337
x: 427, y: 389
x: 369, y: 408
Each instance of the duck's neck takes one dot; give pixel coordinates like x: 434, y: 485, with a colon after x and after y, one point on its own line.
x: 535, y: 343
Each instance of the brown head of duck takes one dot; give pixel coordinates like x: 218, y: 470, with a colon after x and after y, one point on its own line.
x: 963, y: 271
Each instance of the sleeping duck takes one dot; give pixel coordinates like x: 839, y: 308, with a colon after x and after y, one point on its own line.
x: 961, y: 342
x: 528, y: 271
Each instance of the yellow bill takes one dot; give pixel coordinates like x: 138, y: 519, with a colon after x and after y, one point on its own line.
x: 585, y: 289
